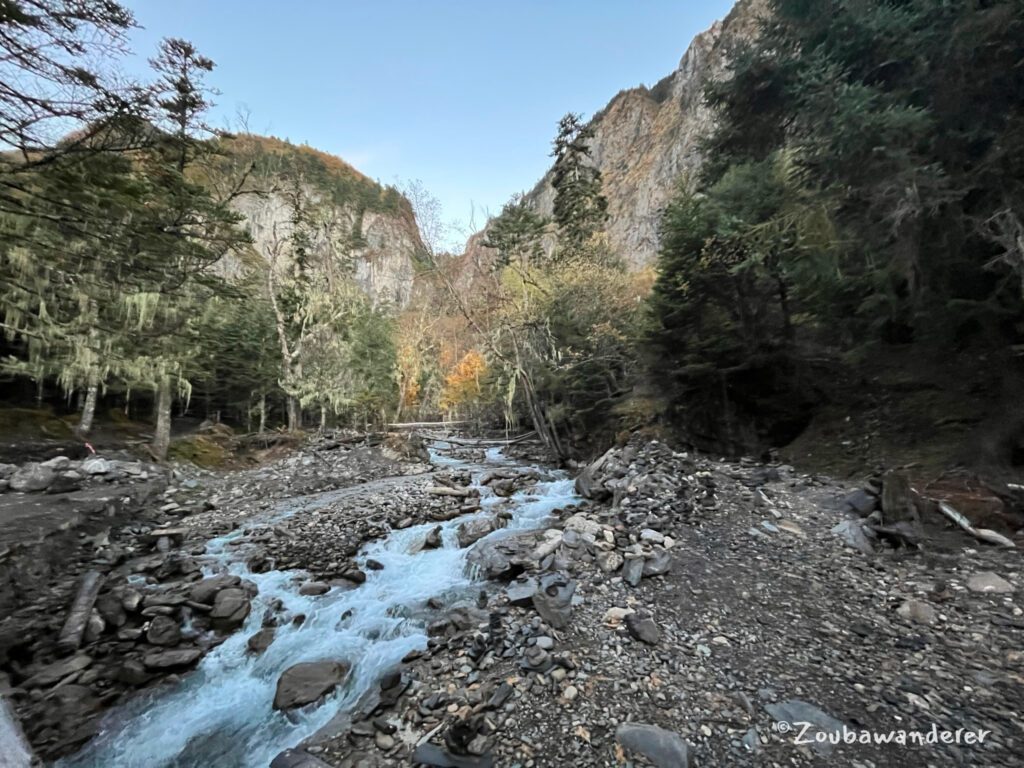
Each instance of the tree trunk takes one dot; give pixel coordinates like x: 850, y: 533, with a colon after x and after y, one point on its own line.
x: 162, y: 437
x: 545, y: 429
x: 88, y: 411
x: 323, y: 419
x: 787, y: 315
x: 294, y: 414
x: 263, y: 412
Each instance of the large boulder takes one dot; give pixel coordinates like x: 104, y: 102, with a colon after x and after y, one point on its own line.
x: 405, y: 447
x: 662, y: 748
x: 206, y: 590
x: 32, y: 478
x: 589, y: 483
x: 262, y: 640
x: 96, y: 466
x: 230, y: 609
x: 163, y: 630
x: 852, y: 534
x: 507, y: 557
x: 308, y: 682
x: 471, y: 531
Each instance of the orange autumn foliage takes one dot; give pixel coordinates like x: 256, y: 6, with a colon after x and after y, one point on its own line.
x: 462, y: 385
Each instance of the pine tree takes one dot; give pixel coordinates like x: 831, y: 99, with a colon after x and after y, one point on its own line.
x: 580, y: 208
x: 516, y: 234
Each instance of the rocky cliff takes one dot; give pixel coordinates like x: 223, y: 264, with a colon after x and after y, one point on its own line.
x: 361, y: 226
x: 647, y: 139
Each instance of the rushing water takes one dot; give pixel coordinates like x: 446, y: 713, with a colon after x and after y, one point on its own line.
x: 221, y: 716
x: 14, y: 753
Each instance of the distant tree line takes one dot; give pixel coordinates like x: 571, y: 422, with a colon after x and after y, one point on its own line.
x: 117, y: 221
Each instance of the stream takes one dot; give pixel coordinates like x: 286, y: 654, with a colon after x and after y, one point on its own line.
x: 221, y: 714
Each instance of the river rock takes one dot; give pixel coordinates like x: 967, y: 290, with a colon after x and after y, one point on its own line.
x: 112, y: 610
x: 96, y: 466
x: 553, y: 599
x: 260, y: 641
x: 649, y: 536
x: 94, y: 627
x: 917, y: 612
x: 230, y: 609
x: 860, y: 502
x: 588, y: 483
x: 132, y: 672
x: 989, y: 582
x: 633, y: 569
x: 851, y: 533
x: 506, y: 558
x: 433, y: 540
x: 642, y: 627
x: 354, y: 576
x: 583, y: 526
x: 521, y: 592
x: 206, y: 590
x: 32, y: 478
x: 658, y: 563
x: 65, y: 482
x: 504, y: 488
x: 664, y: 749
x: 313, y: 588
x: 430, y: 754
x: 306, y: 683
x: 57, y: 671
x: 298, y: 758
x: 131, y: 599
x: 177, y: 657
x: 609, y: 561
x: 163, y: 630
x: 472, y: 531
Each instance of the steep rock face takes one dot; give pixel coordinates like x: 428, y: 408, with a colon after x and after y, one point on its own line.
x: 369, y: 229
x: 648, y: 139
x: 382, y: 259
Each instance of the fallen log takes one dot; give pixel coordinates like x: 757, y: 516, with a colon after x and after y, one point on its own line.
x: 982, y: 534
x: 442, y: 490
x: 74, y: 626
x: 481, y: 442
x: 417, y: 424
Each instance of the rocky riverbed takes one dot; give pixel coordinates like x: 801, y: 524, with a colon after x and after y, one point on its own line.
x: 137, y: 534
x: 679, y: 611
x: 696, y: 612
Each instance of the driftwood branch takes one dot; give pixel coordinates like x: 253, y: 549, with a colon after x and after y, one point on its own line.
x: 481, y: 442
x: 71, y: 635
x: 441, y: 490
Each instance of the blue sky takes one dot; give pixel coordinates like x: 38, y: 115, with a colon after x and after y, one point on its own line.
x: 464, y: 96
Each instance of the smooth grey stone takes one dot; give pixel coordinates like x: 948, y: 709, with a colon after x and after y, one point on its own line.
x: 664, y: 749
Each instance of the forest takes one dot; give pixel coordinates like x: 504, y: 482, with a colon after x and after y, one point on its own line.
x: 861, y: 193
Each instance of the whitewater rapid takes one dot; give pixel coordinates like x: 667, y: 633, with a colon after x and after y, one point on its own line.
x: 221, y: 714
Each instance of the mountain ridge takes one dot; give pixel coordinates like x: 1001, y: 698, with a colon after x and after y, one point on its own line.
x: 647, y: 139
